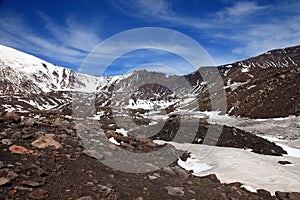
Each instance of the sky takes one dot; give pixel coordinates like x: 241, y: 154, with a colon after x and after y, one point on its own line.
x: 66, y: 32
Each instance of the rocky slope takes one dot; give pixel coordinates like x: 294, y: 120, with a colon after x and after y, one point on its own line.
x: 42, y: 157
x: 41, y: 143
x: 259, y: 87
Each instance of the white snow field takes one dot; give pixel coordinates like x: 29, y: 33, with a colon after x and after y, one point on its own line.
x: 254, y: 171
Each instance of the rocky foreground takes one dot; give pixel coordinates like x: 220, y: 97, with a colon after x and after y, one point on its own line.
x: 42, y: 157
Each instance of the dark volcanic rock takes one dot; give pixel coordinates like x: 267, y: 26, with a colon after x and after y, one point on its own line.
x: 229, y: 137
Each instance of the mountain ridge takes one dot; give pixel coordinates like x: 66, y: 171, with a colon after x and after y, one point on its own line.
x: 24, y: 76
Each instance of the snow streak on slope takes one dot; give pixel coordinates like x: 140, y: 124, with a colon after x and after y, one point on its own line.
x: 20, y: 68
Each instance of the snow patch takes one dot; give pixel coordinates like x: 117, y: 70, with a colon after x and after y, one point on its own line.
x: 122, y: 131
x: 249, y: 188
x: 114, y: 141
x: 193, y: 164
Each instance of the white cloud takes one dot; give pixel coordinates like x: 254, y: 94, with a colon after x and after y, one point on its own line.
x: 247, y: 27
x: 150, y: 7
x: 72, y: 33
x: 142, y: 8
x: 260, y: 38
x: 69, y: 44
x: 241, y: 9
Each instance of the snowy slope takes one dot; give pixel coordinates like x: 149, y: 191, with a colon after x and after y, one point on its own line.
x: 250, y: 85
x: 19, y: 69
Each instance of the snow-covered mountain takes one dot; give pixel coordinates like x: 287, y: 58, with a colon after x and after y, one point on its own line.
x: 24, y: 73
x: 263, y: 86
x: 267, y: 84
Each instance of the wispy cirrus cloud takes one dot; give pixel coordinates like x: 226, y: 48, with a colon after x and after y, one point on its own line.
x: 247, y: 28
x: 144, y: 8
x: 72, y: 34
x: 241, y: 9
x: 68, y: 43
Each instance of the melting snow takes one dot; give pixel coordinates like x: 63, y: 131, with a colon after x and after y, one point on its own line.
x: 193, y: 164
x: 292, y: 152
x: 114, y: 141
x: 122, y: 131
x: 249, y: 188
x: 237, y: 165
x: 245, y: 70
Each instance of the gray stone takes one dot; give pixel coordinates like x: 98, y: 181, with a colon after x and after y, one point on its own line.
x: 12, y: 175
x: 152, y: 177
x: 29, y: 122
x: 30, y: 183
x: 298, y: 124
x: 181, y: 172
x: 4, y: 181
x: 21, y: 188
x: 7, y: 142
x: 175, y: 191
x: 168, y: 170
x: 16, y: 135
x: 10, y: 116
x: 85, y: 198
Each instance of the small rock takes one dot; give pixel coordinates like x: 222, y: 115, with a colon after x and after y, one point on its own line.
x: 41, y: 172
x: 7, y: 142
x: 284, y: 162
x: 181, y: 172
x: 168, y: 170
x: 176, y: 191
x: 298, y: 124
x: 12, y: 175
x: 19, y: 150
x: 31, y: 183
x: 139, y: 198
x: 1, y: 164
x: 3, y: 134
x: 85, y: 198
x: 4, y: 181
x: 152, y: 177
x: 46, y: 141
x: 29, y: 136
x: 39, y: 194
x: 12, y: 117
x: 105, y: 189
x: 21, y: 188
x: 29, y: 122
x: 191, y: 192
x: 151, y: 144
x: 16, y: 135
x: 4, y: 171
x: 233, y: 131
x: 93, y: 154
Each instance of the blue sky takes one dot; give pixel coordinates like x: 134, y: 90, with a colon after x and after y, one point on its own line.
x: 64, y: 32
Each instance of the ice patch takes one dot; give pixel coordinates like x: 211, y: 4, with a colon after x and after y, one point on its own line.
x: 292, y: 152
x: 251, y: 169
x: 193, y: 164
